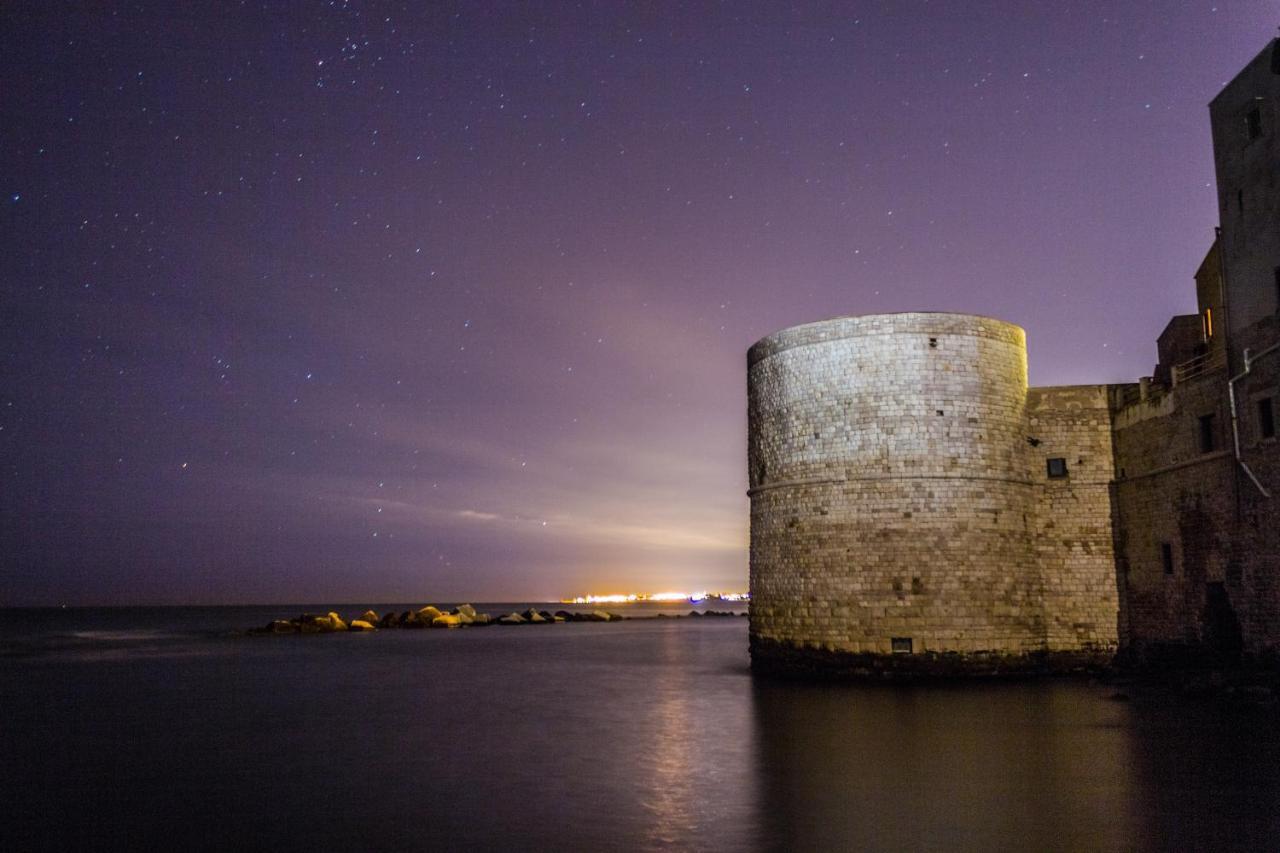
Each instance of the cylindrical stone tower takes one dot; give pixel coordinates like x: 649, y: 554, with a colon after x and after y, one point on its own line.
x: 890, y: 499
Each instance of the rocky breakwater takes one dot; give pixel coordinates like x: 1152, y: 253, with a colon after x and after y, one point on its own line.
x: 463, y: 616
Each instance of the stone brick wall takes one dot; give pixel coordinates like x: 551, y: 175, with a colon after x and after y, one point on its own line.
x: 1249, y: 192
x: 1170, y: 492
x: 893, y: 494
x: 1254, y: 571
x: 1245, y: 117
x: 1071, y: 526
x: 1220, y: 589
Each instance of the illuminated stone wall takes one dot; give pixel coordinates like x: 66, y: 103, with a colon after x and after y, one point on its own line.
x: 895, y: 493
x: 1071, y: 530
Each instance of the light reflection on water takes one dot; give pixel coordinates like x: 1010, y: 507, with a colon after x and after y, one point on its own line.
x: 1004, y: 767
x: 1056, y: 765
x: 644, y: 735
x: 668, y: 794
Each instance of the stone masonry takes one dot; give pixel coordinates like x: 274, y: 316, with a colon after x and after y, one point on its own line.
x: 916, y: 508
x: 1198, y: 464
x: 903, y: 514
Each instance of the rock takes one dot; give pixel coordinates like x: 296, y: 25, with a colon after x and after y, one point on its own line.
x: 369, y: 616
x: 327, y: 624
x: 694, y: 613
x: 361, y: 625
x: 511, y: 619
x: 282, y: 626
x: 446, y: 620
x: 564, y: 615
x: 481, y: 619
x: 465, y: 617
x: 429, y: 613
x: 391, y: 620
x: 599, y: 616
x: 557, y: 619
x: 465, y: 610
x: 533, y: 616
x: 616, y: 617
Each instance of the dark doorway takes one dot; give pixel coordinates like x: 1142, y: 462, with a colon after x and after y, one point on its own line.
x: 1222, y: 637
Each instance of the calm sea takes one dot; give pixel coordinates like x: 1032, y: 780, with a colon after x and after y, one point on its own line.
x: 143, y: 729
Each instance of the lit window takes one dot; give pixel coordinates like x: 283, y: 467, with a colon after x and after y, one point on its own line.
x: 900, y: 645
x: 1057, y: 467
x: 1266, y: 418
x: 1208, y: 323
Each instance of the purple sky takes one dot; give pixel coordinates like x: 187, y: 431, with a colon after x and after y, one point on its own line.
x: 360, y: 301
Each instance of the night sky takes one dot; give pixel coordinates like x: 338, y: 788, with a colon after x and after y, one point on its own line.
x: 310, y: 301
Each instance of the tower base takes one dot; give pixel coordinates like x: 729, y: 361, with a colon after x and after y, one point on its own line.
x: 775, y: 658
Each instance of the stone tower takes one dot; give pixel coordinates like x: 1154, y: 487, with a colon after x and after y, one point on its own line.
x: 895, y: 492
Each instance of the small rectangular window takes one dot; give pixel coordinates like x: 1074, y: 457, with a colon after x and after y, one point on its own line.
x: 900, y: 645
x: 1166, y: 557
x: 1266, y: 418
x: 1253, y: 122
x: 1207, y: 442
x: 1057, y: 467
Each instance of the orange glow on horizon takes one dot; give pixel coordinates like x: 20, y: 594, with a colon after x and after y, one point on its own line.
x: 628, y: 597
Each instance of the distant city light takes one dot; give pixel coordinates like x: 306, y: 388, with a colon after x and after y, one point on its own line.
x: 626, y: 598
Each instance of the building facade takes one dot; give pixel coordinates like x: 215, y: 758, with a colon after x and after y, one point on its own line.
x: 915, y: 507
x: 1198, y: 469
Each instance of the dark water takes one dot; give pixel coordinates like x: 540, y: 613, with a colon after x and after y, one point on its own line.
x: 154, y: 729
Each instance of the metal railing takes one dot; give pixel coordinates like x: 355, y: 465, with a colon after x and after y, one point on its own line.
x: 1199, y: 366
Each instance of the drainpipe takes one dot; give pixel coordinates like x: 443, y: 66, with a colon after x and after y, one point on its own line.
x: 1235, y: 421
